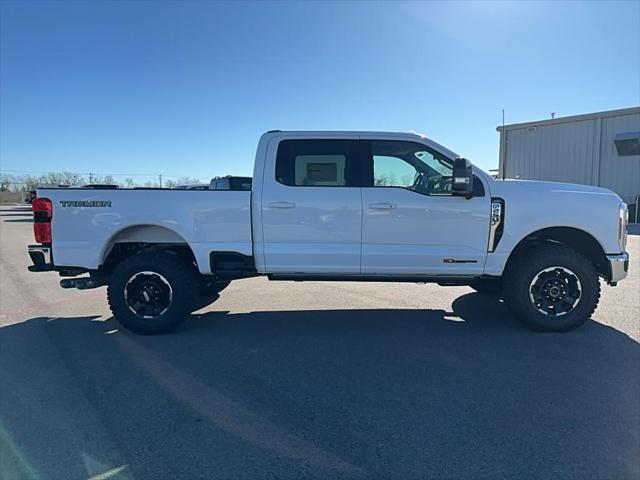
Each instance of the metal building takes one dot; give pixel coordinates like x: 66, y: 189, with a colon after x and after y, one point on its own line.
x: 600, y: 149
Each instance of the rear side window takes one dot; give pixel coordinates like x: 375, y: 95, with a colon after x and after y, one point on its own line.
x: 317, y: 163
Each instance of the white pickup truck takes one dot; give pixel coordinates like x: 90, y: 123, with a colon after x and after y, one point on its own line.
x: 338, y: 206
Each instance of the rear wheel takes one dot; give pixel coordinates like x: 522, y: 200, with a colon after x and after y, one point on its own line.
x: 151, y: 292
x: 553, y: 288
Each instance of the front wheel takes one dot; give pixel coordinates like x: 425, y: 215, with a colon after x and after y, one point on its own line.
x: 552, y: 288
x: 151, y: 292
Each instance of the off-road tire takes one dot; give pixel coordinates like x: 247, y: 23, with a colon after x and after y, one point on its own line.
x: 180, y: 277
x: 522, y: 271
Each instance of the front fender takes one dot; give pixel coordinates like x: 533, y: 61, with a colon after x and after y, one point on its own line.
x: 528, y: 210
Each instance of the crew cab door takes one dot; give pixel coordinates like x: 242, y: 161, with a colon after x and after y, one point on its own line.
x: 412, y: 224
x: 311, y: 206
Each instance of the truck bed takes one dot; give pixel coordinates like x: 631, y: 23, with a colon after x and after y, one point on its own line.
x: 207, y: 220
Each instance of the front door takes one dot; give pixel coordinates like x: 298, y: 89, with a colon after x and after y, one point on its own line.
x: 312, y: 212
x: 412, y: 224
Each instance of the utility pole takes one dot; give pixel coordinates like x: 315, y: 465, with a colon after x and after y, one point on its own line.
x: 90, y: 178
x: 503, y: 147
x: 160, y: 180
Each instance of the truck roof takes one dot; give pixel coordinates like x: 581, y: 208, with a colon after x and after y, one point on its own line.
x: 408, y: 136
x: 364, y: 133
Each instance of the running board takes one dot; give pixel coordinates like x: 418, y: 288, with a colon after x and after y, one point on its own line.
x: 440, y: 279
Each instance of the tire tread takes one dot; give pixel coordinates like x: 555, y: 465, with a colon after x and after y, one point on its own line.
x: 541, y: 255
x: 182, y: 277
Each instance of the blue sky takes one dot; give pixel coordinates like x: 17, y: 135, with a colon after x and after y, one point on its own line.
x: 187, y: 88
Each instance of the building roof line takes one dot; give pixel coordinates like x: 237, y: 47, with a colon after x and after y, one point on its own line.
x: 572, y: 118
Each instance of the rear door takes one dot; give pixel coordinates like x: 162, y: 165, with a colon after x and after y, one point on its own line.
x: 312, y: 212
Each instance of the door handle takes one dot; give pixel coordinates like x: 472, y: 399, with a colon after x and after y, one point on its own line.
x: 281, y: 204
x: 382, y: 206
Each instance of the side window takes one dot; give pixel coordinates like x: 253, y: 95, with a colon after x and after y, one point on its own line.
x: 392, y: 172
x: 412, y: 166
x: 317, y: 163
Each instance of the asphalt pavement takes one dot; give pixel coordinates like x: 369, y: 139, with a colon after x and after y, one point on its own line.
x: 312, y: 380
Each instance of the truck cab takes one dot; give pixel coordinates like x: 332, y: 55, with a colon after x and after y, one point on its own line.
x: 347, y: 206
x: 376, y: 205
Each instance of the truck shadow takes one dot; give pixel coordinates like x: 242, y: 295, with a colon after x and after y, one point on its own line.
x: 320, y: 394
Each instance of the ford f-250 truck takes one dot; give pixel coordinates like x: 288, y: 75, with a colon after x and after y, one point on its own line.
x: 363, y: 206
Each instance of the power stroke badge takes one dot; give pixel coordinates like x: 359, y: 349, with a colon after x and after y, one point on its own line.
x: 85, y: 203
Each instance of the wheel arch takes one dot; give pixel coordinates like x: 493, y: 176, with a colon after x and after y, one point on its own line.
x: 579, y: 240
x: 134, y: 238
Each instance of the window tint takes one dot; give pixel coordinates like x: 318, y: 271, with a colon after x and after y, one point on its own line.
x: 317, y: 163
x: 410, y: 165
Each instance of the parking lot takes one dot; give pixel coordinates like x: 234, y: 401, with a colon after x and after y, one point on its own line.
x: 313, y: 380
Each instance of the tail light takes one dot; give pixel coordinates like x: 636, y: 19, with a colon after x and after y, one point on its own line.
x: 42, y: 213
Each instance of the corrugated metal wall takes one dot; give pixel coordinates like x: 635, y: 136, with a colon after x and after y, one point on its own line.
x: 580, y: 151
x: 620, y: 174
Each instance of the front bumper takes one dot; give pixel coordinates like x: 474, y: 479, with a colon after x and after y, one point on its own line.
x: 618, y: 267
x: 41, y: 258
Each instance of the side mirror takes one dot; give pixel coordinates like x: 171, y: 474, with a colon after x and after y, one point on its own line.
x: 462, y: 178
